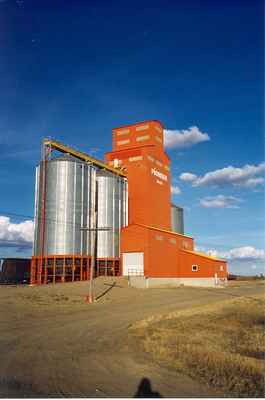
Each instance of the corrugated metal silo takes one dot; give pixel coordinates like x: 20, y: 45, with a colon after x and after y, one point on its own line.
x: 112, y: 213
x: 177, y: 219
x: 69, y: 205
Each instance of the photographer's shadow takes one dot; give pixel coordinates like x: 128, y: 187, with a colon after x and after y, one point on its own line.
x: 145, y: 390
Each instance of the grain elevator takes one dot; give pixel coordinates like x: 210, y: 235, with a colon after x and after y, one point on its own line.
x: 115, y: 217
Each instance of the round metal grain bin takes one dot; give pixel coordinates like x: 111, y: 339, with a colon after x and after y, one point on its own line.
x: 112, y: 213
x: 177, y: 220
x: 69, y: 205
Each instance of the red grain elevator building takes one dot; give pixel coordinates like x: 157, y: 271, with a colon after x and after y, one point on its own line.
x: 151, y: 253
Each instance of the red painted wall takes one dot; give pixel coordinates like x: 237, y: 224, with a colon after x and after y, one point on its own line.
x: 147, y: 168
x: 207, y: 267
x: 148, y: 172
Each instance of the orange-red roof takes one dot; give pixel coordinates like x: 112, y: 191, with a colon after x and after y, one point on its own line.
x: 163, y: 230
x: 139, y: 123
x: 197, y: 253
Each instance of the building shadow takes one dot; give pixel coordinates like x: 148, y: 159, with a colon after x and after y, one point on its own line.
x: 145, y: 390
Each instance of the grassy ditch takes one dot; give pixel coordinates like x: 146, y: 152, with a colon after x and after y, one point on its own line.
x: 220, y: 344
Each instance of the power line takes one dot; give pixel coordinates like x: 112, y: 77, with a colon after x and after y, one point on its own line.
x: 75, y: 224
x: 63, y: 222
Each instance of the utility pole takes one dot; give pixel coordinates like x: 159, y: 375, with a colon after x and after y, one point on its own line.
x: 90, y: 297
x: 93, y: 257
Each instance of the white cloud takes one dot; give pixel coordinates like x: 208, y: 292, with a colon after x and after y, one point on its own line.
x: 188, y: 177
x: 252, y: 182
x: 18, y: 234
x: 245, y: 253
x: 200, y: 249
x: 175, y: 190
x: 220, y: 201
x: 213, y: 253
x: 244, y: 177
x: 179, y: 139
x: 241, y: 260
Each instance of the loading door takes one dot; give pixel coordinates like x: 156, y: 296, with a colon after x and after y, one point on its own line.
x: 133, y: 264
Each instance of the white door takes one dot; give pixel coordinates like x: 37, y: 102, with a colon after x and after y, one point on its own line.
x: 133, y: 264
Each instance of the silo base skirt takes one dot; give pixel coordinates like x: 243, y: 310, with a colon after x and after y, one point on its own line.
x: 70, y: 268
x: 108, y: 267
x: 59, y: 268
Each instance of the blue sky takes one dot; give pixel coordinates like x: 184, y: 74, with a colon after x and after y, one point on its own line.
x: 74, y: 70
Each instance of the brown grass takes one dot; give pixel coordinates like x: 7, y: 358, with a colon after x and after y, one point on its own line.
x: 222, y: 344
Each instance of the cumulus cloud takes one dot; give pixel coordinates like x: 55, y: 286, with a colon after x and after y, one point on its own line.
x: 245, y: 253
x: 188, y: 177
x: 20, y: 234
x: 220, y: 201
x: 175, y: 190
x: 246, y: 176
x: 180, y: 139
x: 252, y: 182
x: 241, y: 260
x: 214, y: 253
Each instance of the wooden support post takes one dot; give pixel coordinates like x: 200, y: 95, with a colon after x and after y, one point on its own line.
x: 63, y: 275
x: 73, y: 269
x: 81, y: 268
x: 45, y: 270
x: 53, y: 271
x: 39, y: 272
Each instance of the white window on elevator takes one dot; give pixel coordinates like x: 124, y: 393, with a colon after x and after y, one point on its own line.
x: 194, y: 268
x: 141, y: 128
x: 136, y: 158
x: 158, y: 139
x: 158, y: 129
x: 122, y: 132
x: 142, y: 138
x: 120, y: 142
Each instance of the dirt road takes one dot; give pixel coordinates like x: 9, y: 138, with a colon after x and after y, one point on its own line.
x: 53, y: 344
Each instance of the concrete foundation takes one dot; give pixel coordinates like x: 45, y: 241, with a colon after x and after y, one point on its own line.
x: 138, y: 282
x: 159, y: 282
x: 204, y: 282
x: 143, y: 282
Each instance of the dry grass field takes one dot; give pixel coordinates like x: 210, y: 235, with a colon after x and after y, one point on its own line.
x: 222, y: 344
x: 54, y: 344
